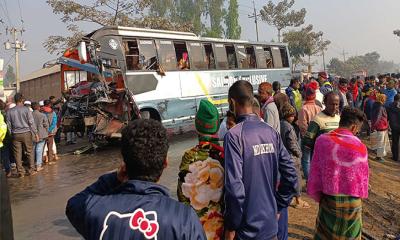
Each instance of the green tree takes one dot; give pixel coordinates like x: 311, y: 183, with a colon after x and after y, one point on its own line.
x: 189, y: 11
x: 233, y: 29
x: 131, y: 13
x: 281, y: 17
x: 9, y: 78
x: 304, y: 42
x: 216, y: 13
x: 161, y: 8
x: 369, y: 62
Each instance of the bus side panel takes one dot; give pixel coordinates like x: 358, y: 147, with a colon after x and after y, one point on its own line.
x: 164, y: 94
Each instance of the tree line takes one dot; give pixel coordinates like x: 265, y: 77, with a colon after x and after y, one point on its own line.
x: 209, y: 18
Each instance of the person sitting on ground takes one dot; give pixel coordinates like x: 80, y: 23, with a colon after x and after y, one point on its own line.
x: 269, y: 110
x: 289, y: 139
x: 379, y: 127
x: 394, y: 122
x: 339, y: 179
x: 204, y: 194
x: 128, y: 203
x: 260, y: 177
x: 323, y: 122
x: 42, y: 125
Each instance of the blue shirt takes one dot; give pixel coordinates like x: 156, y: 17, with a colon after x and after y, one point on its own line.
x: 260, y: 178
x: 110, y: 210
x: 390, y: 94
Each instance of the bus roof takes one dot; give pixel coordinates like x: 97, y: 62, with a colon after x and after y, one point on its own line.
x: 165, y: 34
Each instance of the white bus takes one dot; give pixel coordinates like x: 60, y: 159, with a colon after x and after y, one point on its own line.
x: 170, y: 72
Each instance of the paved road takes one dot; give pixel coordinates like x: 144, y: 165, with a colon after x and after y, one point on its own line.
x: 38, y: 202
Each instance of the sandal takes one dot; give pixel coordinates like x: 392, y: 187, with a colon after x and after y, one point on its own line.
x: 301, y: 204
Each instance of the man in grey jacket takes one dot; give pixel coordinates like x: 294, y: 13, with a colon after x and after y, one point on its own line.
x: 42, y: 124
x: 23, y: 130
x: 269, y: 109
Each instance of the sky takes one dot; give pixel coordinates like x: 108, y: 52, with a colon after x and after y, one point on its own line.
x: 353, y: 26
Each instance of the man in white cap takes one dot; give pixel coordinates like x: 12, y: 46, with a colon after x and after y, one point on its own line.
x: 28, y: 104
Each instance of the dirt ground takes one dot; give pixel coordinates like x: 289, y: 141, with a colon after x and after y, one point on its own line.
x: 381, y: 211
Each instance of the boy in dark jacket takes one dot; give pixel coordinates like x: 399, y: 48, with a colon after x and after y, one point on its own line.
x: 394, y: 121
x: 129, y: 204
x: 290, y: 140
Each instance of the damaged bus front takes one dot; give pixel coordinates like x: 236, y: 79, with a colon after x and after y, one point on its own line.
x: 96, y: 98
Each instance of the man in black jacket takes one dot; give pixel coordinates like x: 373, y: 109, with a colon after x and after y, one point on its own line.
x: 394, y: 121
x: 128, y: 204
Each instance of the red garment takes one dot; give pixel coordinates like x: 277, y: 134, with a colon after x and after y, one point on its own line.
x: 343, y: 89
x: 47, y: 109
x: 354, y: 92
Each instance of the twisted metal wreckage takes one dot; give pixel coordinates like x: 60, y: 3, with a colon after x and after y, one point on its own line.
x: 101, y: 104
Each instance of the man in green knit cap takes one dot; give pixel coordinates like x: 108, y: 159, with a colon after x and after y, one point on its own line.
x: 201, y: 173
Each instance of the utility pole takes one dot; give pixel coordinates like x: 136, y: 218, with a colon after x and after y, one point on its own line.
x: 255, y: 16
x: 344, y: 55
x: 17, y: 46
x: 323, y: 54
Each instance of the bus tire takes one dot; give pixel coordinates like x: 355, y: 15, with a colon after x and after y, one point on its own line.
x: 150, y: 114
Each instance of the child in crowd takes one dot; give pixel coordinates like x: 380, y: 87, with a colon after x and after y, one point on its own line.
x: 290, y: 140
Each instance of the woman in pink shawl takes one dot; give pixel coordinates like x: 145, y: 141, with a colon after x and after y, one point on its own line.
x: 339, y: 178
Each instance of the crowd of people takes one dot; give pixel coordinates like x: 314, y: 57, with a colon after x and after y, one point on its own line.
x: 28, y: 135
x: 244, y: 173
x: 242, y: 189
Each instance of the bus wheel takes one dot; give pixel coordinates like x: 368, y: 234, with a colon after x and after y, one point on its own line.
x: 145, y: 114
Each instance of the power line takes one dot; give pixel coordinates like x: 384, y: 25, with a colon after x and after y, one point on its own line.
x: 7, y: 13
x: 20, y: 14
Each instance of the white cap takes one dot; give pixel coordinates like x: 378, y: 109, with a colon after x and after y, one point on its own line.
x: 41, y: 103
x: 12, y: 105
x: 27, y: 103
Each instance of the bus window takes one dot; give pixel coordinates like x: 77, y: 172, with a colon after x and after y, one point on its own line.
x: 182, y: 55
x: 132, y: 55
x: 210, y: 59
x: 74, y: 77
x: 231, y: 55
x: 220, y: 56
x: 260, y: 56
x: 166, y: 54
x: 198, y: 58
x: 251, y: 56
x: 276, y: 57
x: 242, y: 59
x: 284, y: 56
x: 147, y: 55
x: 268, y: 57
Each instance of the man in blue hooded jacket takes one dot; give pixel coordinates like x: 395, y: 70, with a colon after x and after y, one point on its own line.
x: 260, y: 177
x: 128, y: 204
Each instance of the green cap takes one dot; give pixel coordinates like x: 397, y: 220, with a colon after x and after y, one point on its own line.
x: 207, y: 118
